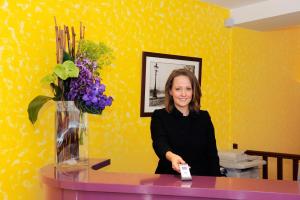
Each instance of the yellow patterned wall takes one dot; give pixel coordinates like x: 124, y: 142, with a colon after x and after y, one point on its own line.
x: 266, y: 91
x: 27, y: 53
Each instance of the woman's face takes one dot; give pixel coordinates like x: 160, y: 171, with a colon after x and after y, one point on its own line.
x: 182, y: 92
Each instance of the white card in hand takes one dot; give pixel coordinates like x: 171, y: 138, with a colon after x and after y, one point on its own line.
x: 185, y: 172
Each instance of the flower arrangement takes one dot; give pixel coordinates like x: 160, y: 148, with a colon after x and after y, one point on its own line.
x: 75, y: 80
x: 76, y: 76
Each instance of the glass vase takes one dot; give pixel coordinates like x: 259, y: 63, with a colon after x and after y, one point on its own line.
x: 71, y: 136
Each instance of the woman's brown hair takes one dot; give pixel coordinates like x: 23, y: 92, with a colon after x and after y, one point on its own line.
x: 195, y: 102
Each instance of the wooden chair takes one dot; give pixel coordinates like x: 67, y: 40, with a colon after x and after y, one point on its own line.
x: 279, y: 156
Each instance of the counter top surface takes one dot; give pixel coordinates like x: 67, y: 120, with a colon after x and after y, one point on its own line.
x: 217, y: 187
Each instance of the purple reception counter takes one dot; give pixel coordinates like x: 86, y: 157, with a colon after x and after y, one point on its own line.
x: 92, y: 184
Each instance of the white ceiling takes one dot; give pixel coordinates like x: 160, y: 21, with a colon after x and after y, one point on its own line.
x: 230, y: 4
x: 261, y: 15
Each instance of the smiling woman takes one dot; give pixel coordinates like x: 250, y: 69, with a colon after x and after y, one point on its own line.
x: 181, y: 132
x: 179, y: 89
x: 182, y: 93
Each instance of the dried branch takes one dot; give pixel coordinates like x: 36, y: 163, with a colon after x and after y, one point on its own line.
x: 73, y: 42
x: 55, y: 21
x: 61, y: 47
x: 68, y: 39
x: 83, y: 32
x: 56, y: 41
x: 64, y: 38
x: 80, y: 30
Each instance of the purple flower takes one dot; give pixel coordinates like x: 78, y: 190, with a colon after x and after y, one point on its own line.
x: 87, y: 89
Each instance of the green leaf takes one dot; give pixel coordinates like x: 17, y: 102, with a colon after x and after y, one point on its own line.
x: 66, y: 70
x: 35, y: 105
x: 50, y: 78
x: 60, y: 71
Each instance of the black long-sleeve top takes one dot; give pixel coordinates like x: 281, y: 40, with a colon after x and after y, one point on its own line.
x: 191, y: 137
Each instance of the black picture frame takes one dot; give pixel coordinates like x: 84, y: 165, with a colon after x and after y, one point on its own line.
x: 156, y: 68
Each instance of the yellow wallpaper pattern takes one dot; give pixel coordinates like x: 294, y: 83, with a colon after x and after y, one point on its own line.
x: 266, y: 91
x: 27, y: 53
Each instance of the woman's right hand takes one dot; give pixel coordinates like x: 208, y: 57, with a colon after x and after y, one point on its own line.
x: 175, y: 160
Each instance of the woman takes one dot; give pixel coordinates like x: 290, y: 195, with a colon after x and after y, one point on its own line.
x: 181, y: 132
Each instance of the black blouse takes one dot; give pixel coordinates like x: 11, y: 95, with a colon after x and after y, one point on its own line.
x: 192, y: 137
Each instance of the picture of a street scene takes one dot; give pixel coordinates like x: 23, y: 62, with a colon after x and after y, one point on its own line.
x: 159, y: 72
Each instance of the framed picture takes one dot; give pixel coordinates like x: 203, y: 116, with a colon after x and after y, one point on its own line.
x: 156, y: 68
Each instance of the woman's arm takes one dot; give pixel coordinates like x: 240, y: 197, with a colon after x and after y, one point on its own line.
x: 160, y: 141
x: 159, y: 136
